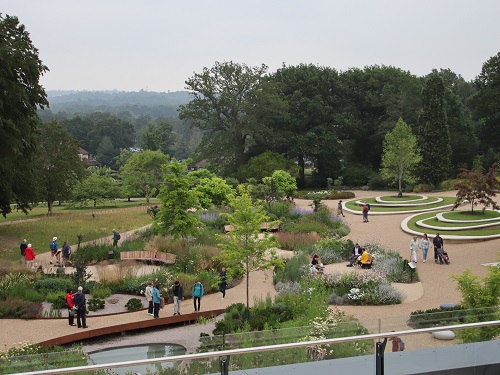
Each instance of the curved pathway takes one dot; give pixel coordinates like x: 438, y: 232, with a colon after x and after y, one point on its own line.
x: 436, y: 282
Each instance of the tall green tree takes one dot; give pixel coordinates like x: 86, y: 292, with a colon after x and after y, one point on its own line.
x: 433, y: 132
x: 310, y: 128
x: 279, y: 185
x: 243, y: 244
x: 97, y: 187
x: 228, y: 103
x: 20, y: 96
x: 59, y: 167
x: 142, y: 174
x: 107, y: 153
x: 213, y: 191
x: 265, y: 164
x: 178, y: 200
x: 401, y: 156
x: 158, y: 135
x: 486, y: 103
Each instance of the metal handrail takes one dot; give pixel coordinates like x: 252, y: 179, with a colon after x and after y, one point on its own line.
x: 224, y: 353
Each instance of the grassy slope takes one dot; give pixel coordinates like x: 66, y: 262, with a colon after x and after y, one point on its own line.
x: 67, y: 226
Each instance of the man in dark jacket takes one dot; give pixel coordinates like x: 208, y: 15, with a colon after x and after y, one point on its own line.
x: 438, y: 244
x: 80, y: 303
x: 356, y: 252
x: 178, y: 292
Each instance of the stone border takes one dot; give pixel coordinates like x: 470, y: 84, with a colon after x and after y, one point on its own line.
x: 404, y: 227
x: 422, y: 198
x: 441, y: 218
x: 355, y: 212
x: 421, y: 223
x: 400, y: 204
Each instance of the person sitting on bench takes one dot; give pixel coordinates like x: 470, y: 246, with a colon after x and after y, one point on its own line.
x: 316, y: 263
x: 356, y: 252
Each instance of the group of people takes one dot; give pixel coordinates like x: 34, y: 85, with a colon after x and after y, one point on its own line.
x: 76, y: 304
x: 359, y: 255
x: 424, y: 244
x: 156, y: 301
x: 28, y: 254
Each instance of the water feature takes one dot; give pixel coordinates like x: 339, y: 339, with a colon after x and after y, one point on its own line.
x: 130, y: 353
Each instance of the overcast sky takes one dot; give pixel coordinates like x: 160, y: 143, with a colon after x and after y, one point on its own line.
x: 156, y: 45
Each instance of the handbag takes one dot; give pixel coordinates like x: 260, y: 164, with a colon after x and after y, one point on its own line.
x: 162, y: 303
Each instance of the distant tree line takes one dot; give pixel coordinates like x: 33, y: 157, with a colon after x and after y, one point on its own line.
x: 246, y: 123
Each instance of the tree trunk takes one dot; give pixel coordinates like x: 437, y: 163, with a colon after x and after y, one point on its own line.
x: 50, y: 204
x: 248, y: 285
x: 302, y: 173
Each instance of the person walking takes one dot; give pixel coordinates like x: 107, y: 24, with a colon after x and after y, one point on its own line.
x: 197, y: 293
x: 339, y: 209
x: 365, y: 213
x: 66, y: 253
x: 397, y: 343
x: 29, y: 255
x: 424, y: 245
x: 81, y: 308
x: 54, y: 246
x: 149, y: 297
x: 413, y: 249
x: 23, y: 247
x: 116, y: 238
x: 222, y: 282
x: 156, y: 301
x: 438, y: 243
x: 178, y: 292
x: 70, y: 305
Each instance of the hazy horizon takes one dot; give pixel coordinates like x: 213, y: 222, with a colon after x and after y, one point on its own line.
x: 155, y: 46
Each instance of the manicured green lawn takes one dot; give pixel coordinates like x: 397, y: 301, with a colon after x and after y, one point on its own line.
x: 432, y: 204
x: 468, y: 215
x: 395, y: 198
x: 470, y: 232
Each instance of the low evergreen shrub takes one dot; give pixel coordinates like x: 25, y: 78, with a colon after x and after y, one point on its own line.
x: 95, y: 304
x: 134, y: 304
x: 57, y: 299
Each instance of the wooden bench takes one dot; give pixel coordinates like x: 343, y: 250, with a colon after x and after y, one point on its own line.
x: 148, y: 256
x: 264, y: 227
x: 367, y: 265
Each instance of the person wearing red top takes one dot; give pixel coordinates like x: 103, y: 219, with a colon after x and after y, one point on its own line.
x: 71, y: 305
x: 29, y: 255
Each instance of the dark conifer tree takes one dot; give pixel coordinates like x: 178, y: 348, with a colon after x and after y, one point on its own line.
x: 433, y: 132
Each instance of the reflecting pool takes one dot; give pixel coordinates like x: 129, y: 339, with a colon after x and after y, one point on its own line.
x: 136, y: 352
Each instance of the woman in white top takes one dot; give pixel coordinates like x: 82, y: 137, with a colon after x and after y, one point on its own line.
x: 414, y: 249
x: 424, y: 245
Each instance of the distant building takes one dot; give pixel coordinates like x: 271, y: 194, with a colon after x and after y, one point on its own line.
x: 85, y: 157
x: 199, y: 165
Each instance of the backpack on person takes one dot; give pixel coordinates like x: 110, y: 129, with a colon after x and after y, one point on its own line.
x: 118, y: 237
x: 52, y: 246
x: 402, y: 348
x: 368, y: 206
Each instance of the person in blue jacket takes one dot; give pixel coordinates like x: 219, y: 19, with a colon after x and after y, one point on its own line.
x: 156, y: 301
x: 197, y: 293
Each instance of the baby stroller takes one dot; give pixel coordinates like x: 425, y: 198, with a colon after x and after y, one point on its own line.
x: 443, y: 256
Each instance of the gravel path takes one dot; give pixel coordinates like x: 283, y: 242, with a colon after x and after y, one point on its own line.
x: 436, y: 287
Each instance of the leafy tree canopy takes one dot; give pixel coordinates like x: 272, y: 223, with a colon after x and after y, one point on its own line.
x: 401, y: 155
x: 142, y: 174
x: 478, y: 188
x: 98, y: 187
x: 279, y: 185
x: 20, y: 96
x: 177, y: 216
x: 59, y: 168
x: 243, y: 244
x: 265, y: 164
